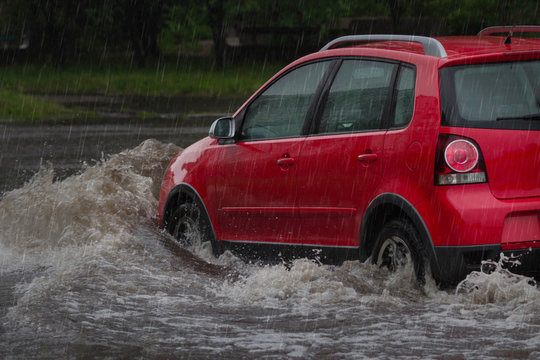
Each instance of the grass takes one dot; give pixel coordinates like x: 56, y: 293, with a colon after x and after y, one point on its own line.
x: 193, y: 78
x: 16, y: 107
x: 163, y: 80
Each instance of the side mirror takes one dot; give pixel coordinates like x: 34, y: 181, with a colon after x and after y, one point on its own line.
x: 222, y: 128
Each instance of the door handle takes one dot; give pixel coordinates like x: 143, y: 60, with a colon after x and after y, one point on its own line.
x: 365, y: 158
x: 285, y: 162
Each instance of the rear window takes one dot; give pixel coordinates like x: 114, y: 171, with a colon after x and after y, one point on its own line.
x: 496, y: 96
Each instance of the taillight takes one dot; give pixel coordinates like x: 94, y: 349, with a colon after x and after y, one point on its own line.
x: 461, y: 155
x: 458, y: 161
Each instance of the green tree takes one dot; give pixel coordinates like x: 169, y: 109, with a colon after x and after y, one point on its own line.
x: 468, y: 17
x: 215, y: 14
x: 53, y: 26
x: 135, y: 25
x: 59, y: 30
x: 142, y: 22
x: 193, y: 20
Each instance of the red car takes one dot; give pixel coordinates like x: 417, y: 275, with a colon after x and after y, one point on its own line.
x: 391, y: 147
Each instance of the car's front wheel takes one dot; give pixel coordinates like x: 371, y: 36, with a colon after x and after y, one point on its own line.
x: 189, y: 225
x: 398, y: 246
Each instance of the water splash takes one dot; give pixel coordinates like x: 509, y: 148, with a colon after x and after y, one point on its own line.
x: 498, y: 285
x: 307, y: 284
x: 109, y: 198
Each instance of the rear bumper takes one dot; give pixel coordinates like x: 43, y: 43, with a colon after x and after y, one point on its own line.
x: 455, y: 262
x: 470, y: 215
x: 467, y: 224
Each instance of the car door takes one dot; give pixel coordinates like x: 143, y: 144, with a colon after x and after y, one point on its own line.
x: 256, y: 177
x: 342, y: 162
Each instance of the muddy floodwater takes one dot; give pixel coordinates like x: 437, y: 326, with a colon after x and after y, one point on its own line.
x: 85, y: 273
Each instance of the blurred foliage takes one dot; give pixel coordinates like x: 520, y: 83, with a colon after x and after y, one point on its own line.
x: 186, y: 25
x: 54, y: 27
x: 468, y: 17
x: 63, y: 31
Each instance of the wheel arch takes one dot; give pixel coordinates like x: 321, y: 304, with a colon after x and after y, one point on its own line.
x: 178, y: 194
x: 388, y: 206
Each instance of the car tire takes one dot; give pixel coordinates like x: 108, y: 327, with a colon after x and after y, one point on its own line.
x: 190, y: 226
x: 398, y: 244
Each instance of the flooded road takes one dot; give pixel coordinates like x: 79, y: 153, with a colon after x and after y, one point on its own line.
x: 85, y: 273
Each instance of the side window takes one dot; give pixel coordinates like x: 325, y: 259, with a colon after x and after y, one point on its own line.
x: 280, y: 111
x: 357, y: 97
x: 404, y: 96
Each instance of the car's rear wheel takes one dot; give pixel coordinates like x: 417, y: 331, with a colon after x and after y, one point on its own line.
x: 189, y: 225
x: 398, y: 246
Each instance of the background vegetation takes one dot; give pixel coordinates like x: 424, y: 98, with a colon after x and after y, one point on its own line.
x: 62, y: 31
x: 156, y: 47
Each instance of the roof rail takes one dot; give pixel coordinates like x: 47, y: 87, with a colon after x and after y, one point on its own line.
x: 431, y: 46
x: 506, y: 29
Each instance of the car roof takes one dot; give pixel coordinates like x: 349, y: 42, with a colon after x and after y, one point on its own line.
x: 496, y: 40
x: 459, y: 46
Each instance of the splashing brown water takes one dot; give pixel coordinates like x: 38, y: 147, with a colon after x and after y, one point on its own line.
x: 90, y: 276
x: 108, y: 198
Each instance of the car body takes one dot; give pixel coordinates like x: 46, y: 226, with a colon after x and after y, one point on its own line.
x: 399, y: 148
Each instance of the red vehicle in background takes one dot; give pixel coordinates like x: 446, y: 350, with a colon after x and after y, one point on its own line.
x: 391, y: 147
